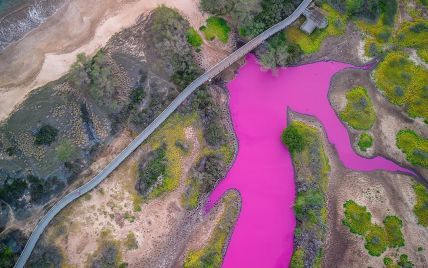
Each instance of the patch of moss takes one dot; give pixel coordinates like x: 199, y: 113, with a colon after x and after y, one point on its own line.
x: 421, y: 207
x: 194, y: 38
x: 312, y: 43
x: 365, y: 141
x: 216, y: 27
x: 415, y: 147
x: 359, y: 112
x: 404, y: 83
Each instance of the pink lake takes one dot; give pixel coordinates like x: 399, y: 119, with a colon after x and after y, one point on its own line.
x: 263, y: 171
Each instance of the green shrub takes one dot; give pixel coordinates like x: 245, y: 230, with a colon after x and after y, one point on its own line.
x: 376, y: 240
x: 357, y: 218
x: 66, y: 151
x: 421, y: 206
x: 365, y: 141
x: 279, y: 52
x: 45, y: 135
x: 13, y: 189
x: 404, y: 261
x: 216, y: 27
x: 214, y: 134
x: 12, y: 150
x: 153, y: 170
x: 413, y: 146
x: 293, y: 138
x: 359, y: 112
x: 194, y: 38
x: 393, y: 227
x: 297, y: 260
x: 272, y: 12
x: 308, y: 204
x: 387, y: 261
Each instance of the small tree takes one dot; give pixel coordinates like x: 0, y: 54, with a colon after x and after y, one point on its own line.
x: 293, y: 139
x: 46, y: 135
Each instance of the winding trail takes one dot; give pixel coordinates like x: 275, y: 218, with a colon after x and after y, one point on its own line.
x: 215, y: 70
x: 263, y: 171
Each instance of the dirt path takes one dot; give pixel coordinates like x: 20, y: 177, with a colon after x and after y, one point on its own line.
x: 46, y: 53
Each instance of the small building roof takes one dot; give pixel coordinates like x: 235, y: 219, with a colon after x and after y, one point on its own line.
x: 308, y: 26
x: 314, y: 19
x: 316, y: 15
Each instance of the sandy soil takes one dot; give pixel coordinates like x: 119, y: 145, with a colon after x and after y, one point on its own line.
x: 46, y: 53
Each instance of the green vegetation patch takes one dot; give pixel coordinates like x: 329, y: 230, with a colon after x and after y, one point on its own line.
x: 194, y: 38
x: 312, y: 168
x: 415, y: 147
x: 402, y: 262
x: 216, y: 27
x: 212, y: 254
x: 278, y: 52
x: 312, y: 43
x: 377, y: 238
x: 66, y: 150
x: 154, y: 171
x: 423, y: 54
x: 404, y: 83
x: 393, y: 226
x: 359, y: 112
x: 167, y: 30
x: 293, y: 137
x: 357, y: 218
x: 421, y: 207
x: 365, y: 141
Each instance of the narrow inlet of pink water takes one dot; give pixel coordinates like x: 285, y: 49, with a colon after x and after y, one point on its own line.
x: 263, y: 171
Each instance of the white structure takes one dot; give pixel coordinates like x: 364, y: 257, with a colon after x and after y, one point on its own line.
x: 314, y: 19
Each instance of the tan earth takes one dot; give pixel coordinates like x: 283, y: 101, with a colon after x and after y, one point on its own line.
x: 46, y: 53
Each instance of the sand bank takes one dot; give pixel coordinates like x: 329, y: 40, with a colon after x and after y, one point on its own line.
x: 46, y: 53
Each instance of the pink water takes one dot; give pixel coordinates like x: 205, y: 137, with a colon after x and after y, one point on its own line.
x: 262, y: 172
